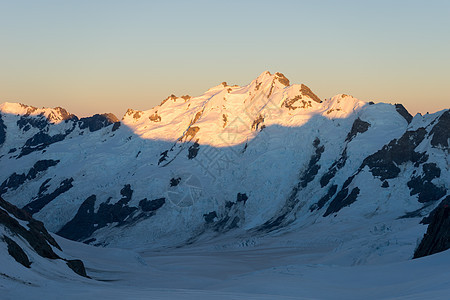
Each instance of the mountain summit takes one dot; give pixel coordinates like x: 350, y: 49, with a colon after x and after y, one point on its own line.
x: 238, y: 112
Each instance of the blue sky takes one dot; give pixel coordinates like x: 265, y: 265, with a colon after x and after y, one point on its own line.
x: 107, y: 56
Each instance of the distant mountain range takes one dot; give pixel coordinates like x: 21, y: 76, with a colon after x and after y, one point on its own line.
x: 252, y: 162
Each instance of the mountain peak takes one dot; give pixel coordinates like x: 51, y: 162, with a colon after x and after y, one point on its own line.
x: 238, y: 112
x: 17, y: 108
x: 281, y: 78
x: 54, y: 115
x: 266, y: 76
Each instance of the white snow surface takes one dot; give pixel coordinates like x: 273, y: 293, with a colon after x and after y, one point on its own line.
x: 201, y: 272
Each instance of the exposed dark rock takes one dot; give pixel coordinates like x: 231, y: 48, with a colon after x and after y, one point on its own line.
x: 15, y: 180
x: 191, y: 132
x: 417, y: 213
x: 241, y: 197
x: 30, y: 109
x: 193, y: 150
x: 336, y: 166
x: 89, y: 241
x: 229, y: 218
x: 222, y: 225
x: 44, y: 186
x: 12, y: 182
x: 431, y: 216
x: 12, y: 150
x: 437, y: 237
x: 27, y: 122
x: 42, y: 138
x: 403, y: 112
x: 341, y: 200
x: 282, y: 79
x: 289, y: 103
x: 209, y: 217
x: 37, y: 227
x: 155, y: 117
x: 431, y: 171
x: 137, y: 115
x: 341, y: 196
x: 227, y: 223
x: 15, y: 211
x: 321, y: 203
x: 116, y: 126
x: 234, y: 223
x: 229, y: 204
x: 274, y: 223
x: 348, y: 181
x: 2, y: 131
x: 175, y: 181
x: 282, y: 217
x: 245, y: 148
x: 358, y: 126
x: 313, y: 167
x: 97, y: 122
x: 163, y: 156
x: 171, y: 97
x: 151, y: 205
x: 423, y: 186
x: 87, y: 221
x: 77, y: 266
x: 43, y: 199
x: 82, y: 225
x: 259, y: 120
x: 384, y: 163
x: 440, y: 131
x: 197, y: 117
x: 37, y: 236
x: 126, y: 192
x: 16, y: 252
x: 306, y: 91
x: 385, y: 184
x: 225, y: 120
x: 41, y: 166
x: 40, y: 141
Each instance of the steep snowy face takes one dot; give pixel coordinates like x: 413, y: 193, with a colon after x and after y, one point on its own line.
x: 250, y: 161
x: 26, y: 244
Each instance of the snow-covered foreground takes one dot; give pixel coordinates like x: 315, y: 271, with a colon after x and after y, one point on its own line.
x: 258, y: 272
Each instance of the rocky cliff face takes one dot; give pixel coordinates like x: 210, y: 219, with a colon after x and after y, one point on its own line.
x: 437, y: 237
x: 250, y: 160
x: 28, y: 242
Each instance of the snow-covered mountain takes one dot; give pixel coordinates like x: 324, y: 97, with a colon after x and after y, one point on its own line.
x: 251, y: 162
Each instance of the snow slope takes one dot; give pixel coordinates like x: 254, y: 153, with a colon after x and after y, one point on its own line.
x: 261, y: 273
x: 29, y: 255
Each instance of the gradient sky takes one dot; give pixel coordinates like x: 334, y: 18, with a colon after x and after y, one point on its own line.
x: 106, y: 56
